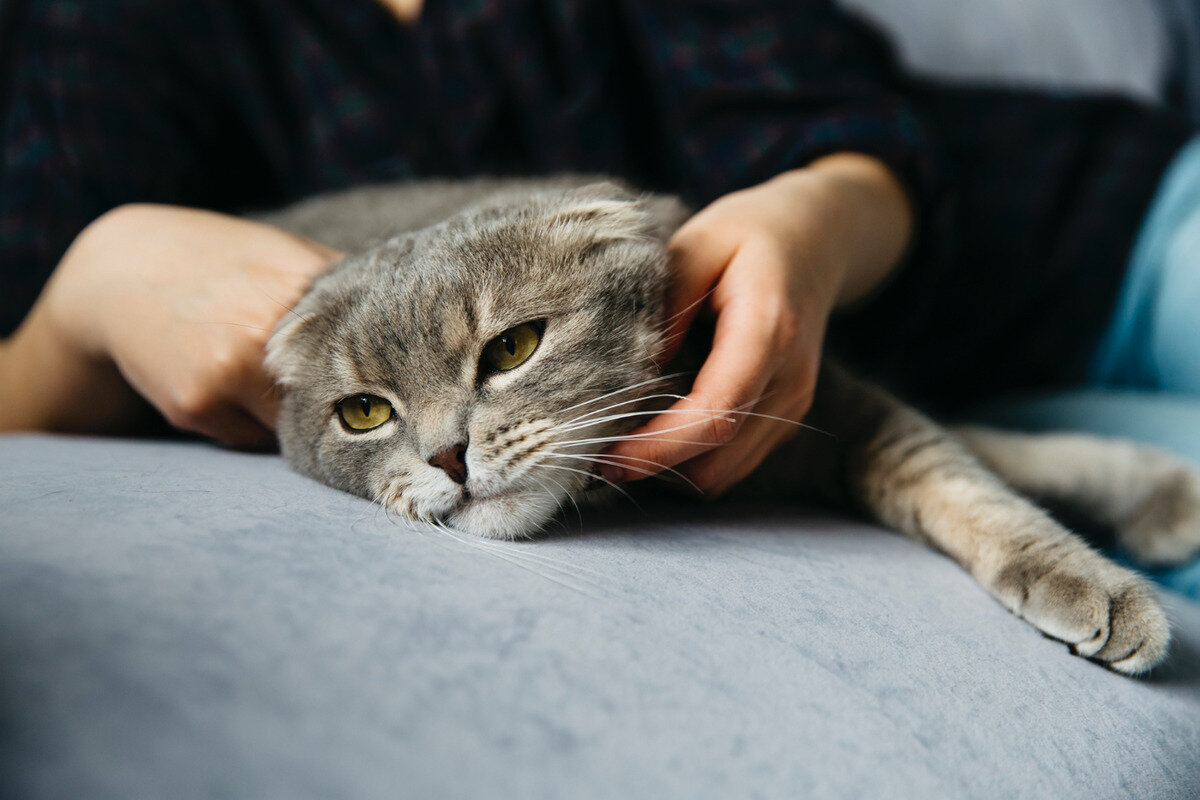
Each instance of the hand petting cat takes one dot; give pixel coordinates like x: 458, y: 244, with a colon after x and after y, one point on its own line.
x: 771, y: 262
x: 172, y: 303
x: 175, y: 305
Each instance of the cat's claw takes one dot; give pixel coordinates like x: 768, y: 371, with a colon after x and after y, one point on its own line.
x: 1106, y: 613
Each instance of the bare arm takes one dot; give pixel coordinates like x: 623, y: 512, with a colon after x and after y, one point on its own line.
x: 166, y: 303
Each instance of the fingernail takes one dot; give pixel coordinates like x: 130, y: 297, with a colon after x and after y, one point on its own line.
x: 612, y: 474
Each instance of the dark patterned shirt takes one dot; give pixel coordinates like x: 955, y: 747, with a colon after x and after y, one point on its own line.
x: 1026, y: 204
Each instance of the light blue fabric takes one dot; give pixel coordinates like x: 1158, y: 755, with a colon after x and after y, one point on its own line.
x: 1166, y: 420
x: 1152, y: 344
x: 1153, y: 341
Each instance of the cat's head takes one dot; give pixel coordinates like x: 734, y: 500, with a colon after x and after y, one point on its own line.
x: 468, y: 372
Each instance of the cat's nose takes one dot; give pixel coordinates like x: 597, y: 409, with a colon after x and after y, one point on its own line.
x: 453, y: 460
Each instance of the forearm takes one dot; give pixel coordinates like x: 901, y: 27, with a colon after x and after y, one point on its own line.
x: 46, y: 385
x: 864, y: 219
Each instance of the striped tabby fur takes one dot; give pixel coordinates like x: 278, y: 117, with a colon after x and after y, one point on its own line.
x: 436, y: 269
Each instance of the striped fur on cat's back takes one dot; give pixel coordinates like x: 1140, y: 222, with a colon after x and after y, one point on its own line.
x: 484, y: 342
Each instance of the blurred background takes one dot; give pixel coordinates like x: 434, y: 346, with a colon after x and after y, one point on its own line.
x: 1146, y: 49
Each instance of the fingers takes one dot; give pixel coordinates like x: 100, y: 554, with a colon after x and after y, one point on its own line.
x: 241, y: 410
x: 717, y: 471
x: 229, y: 425
x: 224, y: 394
x: 732, y: 379
x: 237, y: 429
x: 697, y: 261
x: 259, y: 397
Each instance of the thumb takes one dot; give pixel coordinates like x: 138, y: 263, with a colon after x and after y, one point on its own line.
x: 695, y: 271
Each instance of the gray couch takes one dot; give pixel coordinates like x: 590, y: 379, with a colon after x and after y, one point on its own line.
x: 185, y: 622
x: 181, y: 621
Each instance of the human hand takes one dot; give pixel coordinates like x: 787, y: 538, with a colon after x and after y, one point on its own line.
x: 182, y: 302
x: 771, y: 262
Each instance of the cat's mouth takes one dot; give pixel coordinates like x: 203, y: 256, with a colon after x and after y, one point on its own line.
x: 510, y: 511
x: 467, y: 498
x: 508, y: 514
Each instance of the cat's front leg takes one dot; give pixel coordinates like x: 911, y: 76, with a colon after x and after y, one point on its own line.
x: 1149, y: 497
x: 913, y: 475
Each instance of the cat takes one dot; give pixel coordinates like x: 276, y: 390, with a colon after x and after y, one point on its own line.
x: 483, y: 342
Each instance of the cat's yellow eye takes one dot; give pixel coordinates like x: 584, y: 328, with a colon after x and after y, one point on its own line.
x: 512, y: 348
x: 362, y: 412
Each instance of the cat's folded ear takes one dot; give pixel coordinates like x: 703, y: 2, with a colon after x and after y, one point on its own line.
x: 606, y: 211
x: 667, y: 214
x: 286, y: 354
x: 303, y: 334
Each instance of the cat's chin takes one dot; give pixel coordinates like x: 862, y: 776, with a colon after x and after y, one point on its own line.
x: 515, y: 515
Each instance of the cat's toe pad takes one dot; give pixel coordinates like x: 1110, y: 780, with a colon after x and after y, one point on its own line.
x: 1106, y: 613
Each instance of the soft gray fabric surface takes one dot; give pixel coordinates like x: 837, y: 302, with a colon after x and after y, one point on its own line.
x: 181, y: 621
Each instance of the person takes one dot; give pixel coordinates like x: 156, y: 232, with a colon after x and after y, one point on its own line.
x: 955, y: 243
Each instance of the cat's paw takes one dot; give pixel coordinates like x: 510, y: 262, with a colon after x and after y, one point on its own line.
x: 1165, y: 529
x: 1104, y: 612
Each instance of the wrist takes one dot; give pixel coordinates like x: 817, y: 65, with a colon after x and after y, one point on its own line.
x: 48, y: 383
x: 57, y: 373
x: 863, y: 216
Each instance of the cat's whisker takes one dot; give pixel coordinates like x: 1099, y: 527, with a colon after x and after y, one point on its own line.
x: 631, y: 414
x: 562, y: 566
x: 597, y: 459
x: 618, y: 405
x: 669, y: 322
x: 597, y: 477
x: 719, y: 415
x: 549, y: 493
x: 517, y: 562
x: 438, y: 525
x: 578, y: 571
x: 630, y: 388
x: 619, y: 437
x: 286, y: 308
x: 568, y: 495
x: 562, y: 511
x: 604, y: 458
x: 565, y: 567
x: 376, y: 504
x: 386, y: 505
x: 235, y: 324
x: 628, y: 437
x: 373, y: 505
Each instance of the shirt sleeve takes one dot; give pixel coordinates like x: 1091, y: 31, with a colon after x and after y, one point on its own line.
x: 93, y: 114
x: 747, y: 89
x: 751, y: 88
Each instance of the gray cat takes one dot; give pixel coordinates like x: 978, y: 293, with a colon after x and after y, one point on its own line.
x: 485, y: 341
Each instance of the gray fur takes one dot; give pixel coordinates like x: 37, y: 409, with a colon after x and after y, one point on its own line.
x: 407, y: 319
x: 437, y: 269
